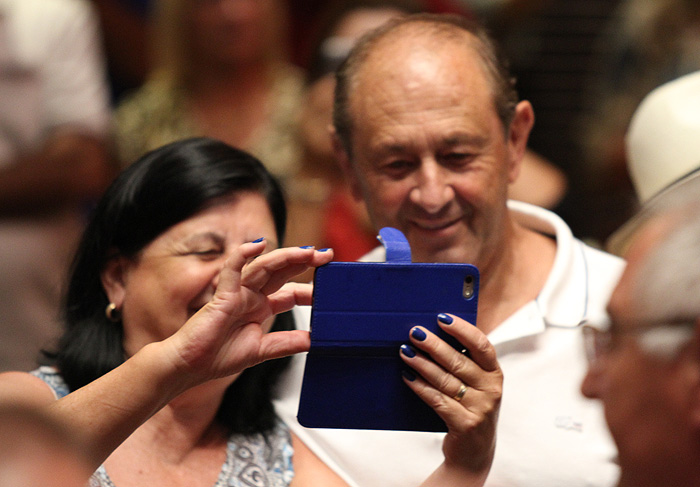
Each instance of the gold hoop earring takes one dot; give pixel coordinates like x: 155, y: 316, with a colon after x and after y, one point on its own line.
x: 112, y: 313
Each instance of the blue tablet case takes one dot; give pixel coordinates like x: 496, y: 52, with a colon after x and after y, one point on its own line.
x: 362, y: 312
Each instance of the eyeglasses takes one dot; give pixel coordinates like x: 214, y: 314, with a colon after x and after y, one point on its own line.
x: 663, y: 340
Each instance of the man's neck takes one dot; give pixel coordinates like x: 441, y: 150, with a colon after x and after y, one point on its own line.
x: 515, y: 276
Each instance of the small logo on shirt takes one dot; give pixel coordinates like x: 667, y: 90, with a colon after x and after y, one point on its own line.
x: 568, y: 423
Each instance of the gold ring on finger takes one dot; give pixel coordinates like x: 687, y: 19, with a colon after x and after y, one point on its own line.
x: 462, y: 390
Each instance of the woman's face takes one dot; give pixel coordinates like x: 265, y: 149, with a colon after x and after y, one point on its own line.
x: 177, y: 273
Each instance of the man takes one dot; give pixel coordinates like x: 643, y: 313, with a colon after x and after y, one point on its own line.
x: 430, y: 133
x: 645, y: 368
x: 54, y: 120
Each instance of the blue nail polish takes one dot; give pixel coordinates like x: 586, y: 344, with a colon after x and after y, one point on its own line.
x: 443, y: 318
x: 258, y: 240
x: 324, y: 250
x: 306, y: 247
x: 408, y: 375
x: 408, y: 351
x: 418, y: 334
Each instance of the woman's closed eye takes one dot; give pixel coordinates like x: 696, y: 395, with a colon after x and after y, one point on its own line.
x: 210, y: 253
x: 207, y: 246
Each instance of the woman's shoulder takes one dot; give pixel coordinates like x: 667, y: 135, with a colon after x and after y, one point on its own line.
x: 51, y: 377
x: 26, y: 386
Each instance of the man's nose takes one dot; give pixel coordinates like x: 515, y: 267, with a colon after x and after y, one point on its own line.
x: 432, y: 190
x: 590, y: 386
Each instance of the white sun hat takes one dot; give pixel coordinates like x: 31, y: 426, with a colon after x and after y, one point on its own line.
x: 663, y: 150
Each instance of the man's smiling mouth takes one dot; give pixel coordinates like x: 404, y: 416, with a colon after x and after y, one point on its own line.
x: 430, y: 225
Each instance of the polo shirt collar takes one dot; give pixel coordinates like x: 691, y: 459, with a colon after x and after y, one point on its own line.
x: 563, y: 300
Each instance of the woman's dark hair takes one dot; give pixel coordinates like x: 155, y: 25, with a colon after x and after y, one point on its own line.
x: 162, y: 188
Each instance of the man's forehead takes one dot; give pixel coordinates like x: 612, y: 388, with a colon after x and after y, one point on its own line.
x: 404, y: 71
x: 421, y: 37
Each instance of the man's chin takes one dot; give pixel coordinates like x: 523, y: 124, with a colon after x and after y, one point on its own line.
x: 444, y: 245
x: 452, y: 255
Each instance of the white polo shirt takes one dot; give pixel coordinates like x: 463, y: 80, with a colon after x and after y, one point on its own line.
x: 548, y: 435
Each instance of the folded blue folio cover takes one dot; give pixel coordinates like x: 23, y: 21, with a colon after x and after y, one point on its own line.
x: 362, y: 312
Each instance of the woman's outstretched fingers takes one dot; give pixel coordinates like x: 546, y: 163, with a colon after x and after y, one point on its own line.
x: 283, y: 343
x: 231, y: 272
x: 290, y: 295
x: 269, y: 272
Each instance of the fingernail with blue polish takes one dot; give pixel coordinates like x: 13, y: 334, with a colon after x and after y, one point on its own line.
x: 258, y: 240
x: 446, y: 319
x: 408, y: 375
x: 418, y: 334
x: 306, y: 247
x: 324, y: 250
x: 408, y: 351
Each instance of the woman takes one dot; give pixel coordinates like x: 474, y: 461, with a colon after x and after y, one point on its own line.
x: 149, y: 261
x: 222, y: 71
x: 171, y: 295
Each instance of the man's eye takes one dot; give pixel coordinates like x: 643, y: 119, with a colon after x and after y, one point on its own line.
x: 458, y: 157
x: 398, y: 166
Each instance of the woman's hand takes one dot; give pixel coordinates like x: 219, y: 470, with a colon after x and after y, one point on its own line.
x: 227, y: 335
x: 221, y: 339
x: 465, y: 391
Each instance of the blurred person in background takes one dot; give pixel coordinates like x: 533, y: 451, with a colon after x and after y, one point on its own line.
x: 662, y: 152
x: 126, y: 29
x: 644, y: 366
x: 221, y: 70
x: 644, y: 44
x: 54, y: 160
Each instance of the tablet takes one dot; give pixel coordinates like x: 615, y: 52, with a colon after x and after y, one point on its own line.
x: 362, y: 313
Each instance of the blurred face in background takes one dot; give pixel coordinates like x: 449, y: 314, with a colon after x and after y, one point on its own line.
x: 235, y: 32
x: 645, y: 373
x: 317, y: 113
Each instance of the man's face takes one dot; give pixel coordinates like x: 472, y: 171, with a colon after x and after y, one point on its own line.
x: 646, y: 398
x: 430, y: 156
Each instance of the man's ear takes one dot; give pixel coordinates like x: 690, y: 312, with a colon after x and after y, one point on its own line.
x: 518, y: 135
x: 113, y: 278
x: 343, y: 159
